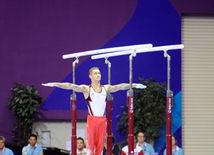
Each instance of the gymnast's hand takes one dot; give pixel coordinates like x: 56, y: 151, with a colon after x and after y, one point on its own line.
x: 49, y: 84
x: 139, y: 86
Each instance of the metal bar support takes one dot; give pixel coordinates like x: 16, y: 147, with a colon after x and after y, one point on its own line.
x: 109, y: 111
x: 168, y: 108
x: 73, y: 117
x: 130, y: 95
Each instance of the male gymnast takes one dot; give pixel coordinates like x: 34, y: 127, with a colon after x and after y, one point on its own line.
x: 96, y: 96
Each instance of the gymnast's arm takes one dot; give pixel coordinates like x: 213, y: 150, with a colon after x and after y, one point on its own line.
x: 77, y: 88
x: 123, y: 86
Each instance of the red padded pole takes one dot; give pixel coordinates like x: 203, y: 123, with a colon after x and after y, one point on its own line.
x: 109, y: 126
x: 74, y: 137
x: 169, y: 127
x: 131, y: 127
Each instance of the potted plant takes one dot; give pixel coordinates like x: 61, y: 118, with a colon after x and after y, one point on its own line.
x: 149, y: 110
x: 24, y: 102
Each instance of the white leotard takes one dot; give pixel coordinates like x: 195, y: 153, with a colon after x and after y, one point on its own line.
x: 96, y: 102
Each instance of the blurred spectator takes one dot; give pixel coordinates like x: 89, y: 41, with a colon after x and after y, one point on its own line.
x: 81, y: 150
x: 137, y: 150
x: 146, y: 147
x: 115, y: 147
x: 175, y: 149
x: 3, y: 149
x: 32, y: 148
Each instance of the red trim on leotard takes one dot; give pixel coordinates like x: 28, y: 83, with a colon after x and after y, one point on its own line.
x: 88, y: 100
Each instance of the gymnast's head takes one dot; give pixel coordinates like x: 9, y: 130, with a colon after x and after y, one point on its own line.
x: 94, y: 74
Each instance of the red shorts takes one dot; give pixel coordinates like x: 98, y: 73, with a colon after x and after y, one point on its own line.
x: 96, y: 132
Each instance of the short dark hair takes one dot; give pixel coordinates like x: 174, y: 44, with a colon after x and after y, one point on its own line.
x: 141, y: 132
x: 175, y: 140
x: 2, y: 138
x: 90, y: 71
x: 80, y: 138
x: 33, y: 135
x: 113, y: 140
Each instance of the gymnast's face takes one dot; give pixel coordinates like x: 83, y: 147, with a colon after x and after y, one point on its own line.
x: 32, y: 140
x: 1, y: 144
x: 141, y: 137
x: 174, y: 141
x: 80, y: 144
x: 95, y: 75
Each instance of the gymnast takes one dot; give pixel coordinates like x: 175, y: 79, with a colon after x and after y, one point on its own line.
x: 96, y: 96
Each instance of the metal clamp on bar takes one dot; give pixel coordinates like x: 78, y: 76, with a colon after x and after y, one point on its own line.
x: 130, y: 68
x: 74, y: 64
x: 73, y: 97
x: 76, y: 61
x: 109, y: 70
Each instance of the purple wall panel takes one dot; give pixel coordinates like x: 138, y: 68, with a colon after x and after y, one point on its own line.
x: 35, y: 34
x: 193, y: 6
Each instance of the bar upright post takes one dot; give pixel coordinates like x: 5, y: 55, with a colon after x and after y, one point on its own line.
x: 168, y: 108
x: 109, y: 112
x: 73, y: 117
x: 130, y: 95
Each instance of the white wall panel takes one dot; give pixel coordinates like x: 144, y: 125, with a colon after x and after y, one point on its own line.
x: 60, y: 132
x: 198, y: 85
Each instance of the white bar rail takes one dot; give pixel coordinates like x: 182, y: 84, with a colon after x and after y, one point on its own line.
x: 142, y: 50
x: 105, y: 50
